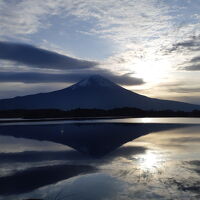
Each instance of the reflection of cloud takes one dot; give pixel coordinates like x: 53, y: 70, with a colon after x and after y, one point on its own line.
x: 38, y: 156
x: 186, y: 140
x: 81, y: 137
x: 96, y: 186
x: 194, y: 162
x: 70, y: 155
x: 33, y: 178
x: 195, y: 167
x: 185, y: 185
x: 122, y: 178
x: 127, y: 151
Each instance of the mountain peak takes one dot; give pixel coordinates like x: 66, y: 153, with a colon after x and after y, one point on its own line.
x: 94, y: 80
x: 93, y: 92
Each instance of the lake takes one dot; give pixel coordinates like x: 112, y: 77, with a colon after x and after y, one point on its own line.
x: 133, y: 158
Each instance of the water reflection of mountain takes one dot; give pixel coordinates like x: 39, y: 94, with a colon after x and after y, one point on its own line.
x: 92, y: 139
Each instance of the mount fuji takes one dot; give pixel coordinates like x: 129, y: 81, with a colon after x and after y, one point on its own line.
x: 93, y: 92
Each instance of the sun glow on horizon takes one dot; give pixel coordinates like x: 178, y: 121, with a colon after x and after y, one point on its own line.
x: 152, y: 71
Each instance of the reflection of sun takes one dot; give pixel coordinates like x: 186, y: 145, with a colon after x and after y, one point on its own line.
x: 149, y: 161
x: 146, y: 120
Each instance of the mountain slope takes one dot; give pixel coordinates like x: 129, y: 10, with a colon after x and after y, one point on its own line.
x: 93, y: 92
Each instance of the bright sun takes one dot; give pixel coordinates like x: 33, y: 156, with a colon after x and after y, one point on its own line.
x: 152, y: 71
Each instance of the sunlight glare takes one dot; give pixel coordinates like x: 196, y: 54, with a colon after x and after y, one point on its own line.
x: 146, y: 120
x: 149, y: 161
x: 152, y: 71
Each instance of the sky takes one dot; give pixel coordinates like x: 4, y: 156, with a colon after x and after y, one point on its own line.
x: 151, y: 47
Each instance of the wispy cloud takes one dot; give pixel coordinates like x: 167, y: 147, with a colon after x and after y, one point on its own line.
x: 185, y: 90
x: 25, y: 17
x: 191, y: 44
x: 190, y: 51
x: 140, y: 27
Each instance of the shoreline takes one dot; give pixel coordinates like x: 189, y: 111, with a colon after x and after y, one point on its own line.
x: 15, y: 120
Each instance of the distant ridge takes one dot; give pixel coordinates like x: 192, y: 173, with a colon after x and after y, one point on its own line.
x: 93, y: 92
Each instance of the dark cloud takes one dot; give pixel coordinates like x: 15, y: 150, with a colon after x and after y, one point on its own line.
x: 195, y: 59
x: 193, y: 44
x: 193, y: 64
x: 188, y: 46
x: 40, y: 58
x: 34, y: 77
x: 184, y: 90
x: 125, y: 80
x: 188, y: 98
x: 33, y: 56
x: 192, y: 67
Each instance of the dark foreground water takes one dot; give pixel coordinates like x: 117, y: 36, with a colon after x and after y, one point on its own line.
x: 103, y: 159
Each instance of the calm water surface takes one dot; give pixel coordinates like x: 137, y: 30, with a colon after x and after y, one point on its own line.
x: 143, y: 158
